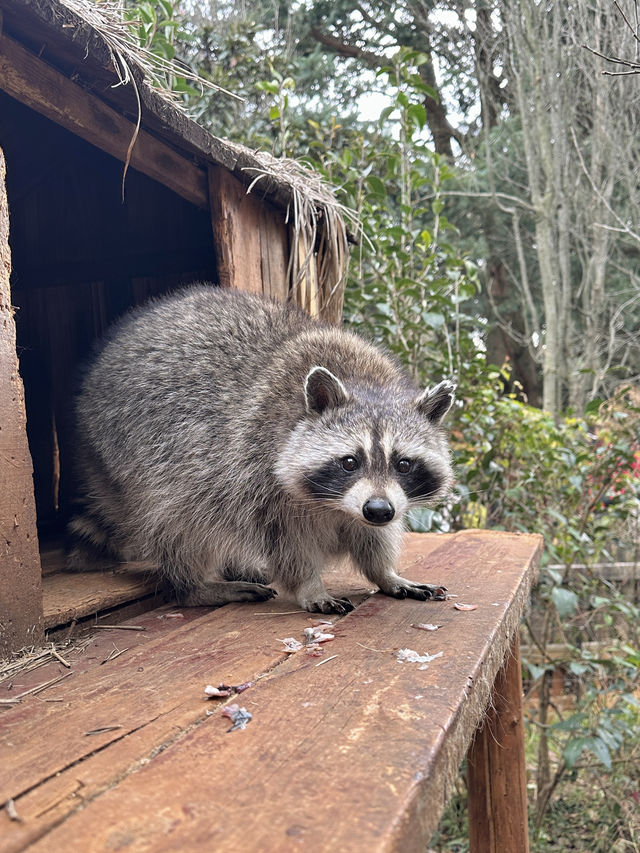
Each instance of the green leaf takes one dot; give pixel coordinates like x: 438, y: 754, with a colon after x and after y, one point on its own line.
x: 433, y: 320
x: 573, y: 750
x: 593, y: 406
x: 416, y: 57
x: 418, y: 115
x: 267, y: 86
x: 565, y: 600
x: 601, y: 751
x: 384, y: 308
x: 376, y: 186
x: 535, y: 671
x: 384, y: 115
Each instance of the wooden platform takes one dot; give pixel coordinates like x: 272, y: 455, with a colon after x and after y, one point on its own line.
x: 349, y: 751
x: 73, y: 596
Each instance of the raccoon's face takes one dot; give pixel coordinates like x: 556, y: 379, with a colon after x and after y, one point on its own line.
x: 370, y: 458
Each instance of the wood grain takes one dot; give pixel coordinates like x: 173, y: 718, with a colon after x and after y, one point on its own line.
x: 75, y: 595
x: 250, y: 237
x: 358, y: 753
x: 496, y: 769
x: 20, y: 588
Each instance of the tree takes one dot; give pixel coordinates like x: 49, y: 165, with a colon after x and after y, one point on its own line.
x: 544, y: 144
x: 579, y: 139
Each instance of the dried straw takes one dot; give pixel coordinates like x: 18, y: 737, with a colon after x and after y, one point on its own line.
x: 32, y: 658
x: 107, y: 19
x: 319, y: 258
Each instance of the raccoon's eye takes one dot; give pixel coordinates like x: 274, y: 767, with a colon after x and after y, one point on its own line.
x: 350, y: 463
x: 403, y: 466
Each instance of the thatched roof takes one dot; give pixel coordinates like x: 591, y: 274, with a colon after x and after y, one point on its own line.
x: 89, y: 44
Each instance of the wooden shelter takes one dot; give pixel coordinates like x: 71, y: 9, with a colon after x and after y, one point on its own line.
x: 77, y: 252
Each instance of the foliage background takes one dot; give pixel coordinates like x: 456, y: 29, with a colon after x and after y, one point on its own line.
x: 494, y: 168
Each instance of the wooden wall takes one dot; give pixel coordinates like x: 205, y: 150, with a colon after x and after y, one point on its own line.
x: 20, y: 582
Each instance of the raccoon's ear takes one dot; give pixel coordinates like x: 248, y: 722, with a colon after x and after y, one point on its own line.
x: 434, y: 403
x: 323, y: 390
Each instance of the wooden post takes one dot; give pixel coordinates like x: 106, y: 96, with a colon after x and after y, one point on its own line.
x: 496, y: 772
x: 20, y: 573
x: 250, y: 237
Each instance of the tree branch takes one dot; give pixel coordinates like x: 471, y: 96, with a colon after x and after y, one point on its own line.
x: 441, y: 129
x: 349, y: 51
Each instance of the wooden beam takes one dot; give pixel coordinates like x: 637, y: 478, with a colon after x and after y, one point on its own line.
x: 250, y: 237
x: 496, y: 771
x: 31, y: 81
x: 20, y: 582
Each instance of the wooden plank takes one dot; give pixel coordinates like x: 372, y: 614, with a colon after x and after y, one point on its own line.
x: 75, y: 595
x: 496, y: 769
x: 250, y: 237
x: 30, y: 80
x: 274, y: 250
x: 20, y: 588
x: 356, y: 754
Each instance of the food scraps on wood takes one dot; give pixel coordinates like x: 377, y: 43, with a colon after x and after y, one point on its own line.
x: 316, y: 635
x: 411, y: 656
x: 313, y: 637
x: 425, y: 626
x: 40, y: 687
x: 459, y: 606
x: 223, y: 690
x: 10, y: 808
x: 238, y: 716
x: 211, y: 692
x: 59, y: 657
x: 291, y: 645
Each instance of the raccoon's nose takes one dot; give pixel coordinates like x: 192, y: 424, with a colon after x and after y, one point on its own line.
x: 378, y: 511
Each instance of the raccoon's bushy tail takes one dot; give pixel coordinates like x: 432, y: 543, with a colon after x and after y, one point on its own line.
x: 90, y: 544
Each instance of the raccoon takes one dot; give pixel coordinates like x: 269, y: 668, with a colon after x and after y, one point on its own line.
x: 235, y: 442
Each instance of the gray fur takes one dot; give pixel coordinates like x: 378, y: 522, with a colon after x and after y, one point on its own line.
x: 213, y: 429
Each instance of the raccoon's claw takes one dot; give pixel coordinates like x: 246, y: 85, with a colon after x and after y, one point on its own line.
x: 420, y: 591
x: 263, y: 593
x: 330, y: 605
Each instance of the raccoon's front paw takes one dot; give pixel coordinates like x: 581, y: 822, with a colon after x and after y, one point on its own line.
x: 330, y: 605
x: 404, y: 588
